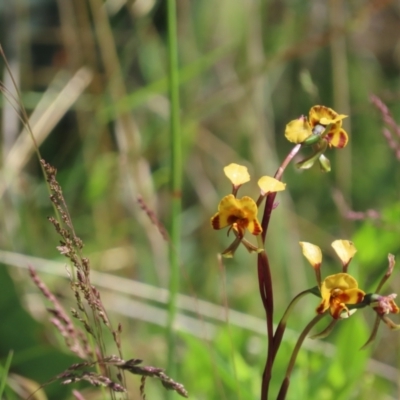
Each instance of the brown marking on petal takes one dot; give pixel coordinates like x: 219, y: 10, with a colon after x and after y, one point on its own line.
x: 337, y: 139
x: 320, y: 309
x: 316, y: 110
x: 343, y: 139
x: 242, y: 223
x: 215, y: 222
x: 239, y: 228
x: 393, y: 307
x: 360, y: 297
x: 337, y: 309
x: 232, y: 219
x: 345, y: 297
x: 327, y: 111
x: 323, y: 306
x: 257, y: 228
x: 319, y: 112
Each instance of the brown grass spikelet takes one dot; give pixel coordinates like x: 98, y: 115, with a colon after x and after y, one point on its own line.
x: 153, y: 218
x: 74, y: 338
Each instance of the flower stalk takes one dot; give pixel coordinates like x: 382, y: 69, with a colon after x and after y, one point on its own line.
x: 340, y: 294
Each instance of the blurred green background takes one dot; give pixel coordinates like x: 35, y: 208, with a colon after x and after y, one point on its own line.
x: 93, y: 75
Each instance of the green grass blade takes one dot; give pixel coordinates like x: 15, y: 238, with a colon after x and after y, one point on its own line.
x: 175, y: 180
x: 4, y: 372
x: 186, y: 74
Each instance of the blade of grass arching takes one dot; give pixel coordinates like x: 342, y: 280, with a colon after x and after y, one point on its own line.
x: 175, y: 182
x: 134, y: 170
x: 52, y: 107
x: 4, y: 372
x: 186, y: 73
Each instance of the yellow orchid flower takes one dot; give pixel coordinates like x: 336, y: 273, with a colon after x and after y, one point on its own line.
x: 337, y: 291
x: 321, y: 115
x: 240, y: 214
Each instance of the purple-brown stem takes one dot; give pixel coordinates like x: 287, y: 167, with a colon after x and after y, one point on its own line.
x: 265, y: 280
x: 280, y: 330
x: 265, y: 286
x: 286, y: 380
x: 269, y: 204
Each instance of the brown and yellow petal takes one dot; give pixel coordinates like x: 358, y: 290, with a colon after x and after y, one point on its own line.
x: 337, y: 138
x: 254, y: 227
x: 250, y: 209
x: 324, y: 305
x: 337, y: 308
x: 227, y: 207
x: 352, y: 296
x: 339, y: 299
x: 239, y: 212
x: 325, y: 116
x: 337, y: 291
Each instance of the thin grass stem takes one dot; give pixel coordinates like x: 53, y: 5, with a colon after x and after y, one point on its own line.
x: 175, y: 181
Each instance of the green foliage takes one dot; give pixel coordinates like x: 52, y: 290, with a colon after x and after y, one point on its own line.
x: 22, y: 335
x: 245, y: 69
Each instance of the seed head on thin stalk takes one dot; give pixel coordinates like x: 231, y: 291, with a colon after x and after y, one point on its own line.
x: 92, y: 314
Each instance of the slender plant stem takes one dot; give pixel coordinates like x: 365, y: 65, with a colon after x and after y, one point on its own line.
x: 175, y: 179
x: 286, y: 380
x: 265, y: 279
x: 265, y: 286
x: 286, y: 161
x: 280, y: 330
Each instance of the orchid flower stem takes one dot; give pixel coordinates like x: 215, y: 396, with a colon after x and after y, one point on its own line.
x: 265, y: 280
x: 269, y: 204
x: 260, y: 243
x: 318, y: 275
x: 280, y: 330
x: 388, y: 273
x: 260, y: 200
x: 286, y: 161
x: 373, y: 333
x: 286, y: 380
x: 265, y: 286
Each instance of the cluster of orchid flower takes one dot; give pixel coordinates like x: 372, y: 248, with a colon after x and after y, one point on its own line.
x: 340, y: 293
x: 241, y: 214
